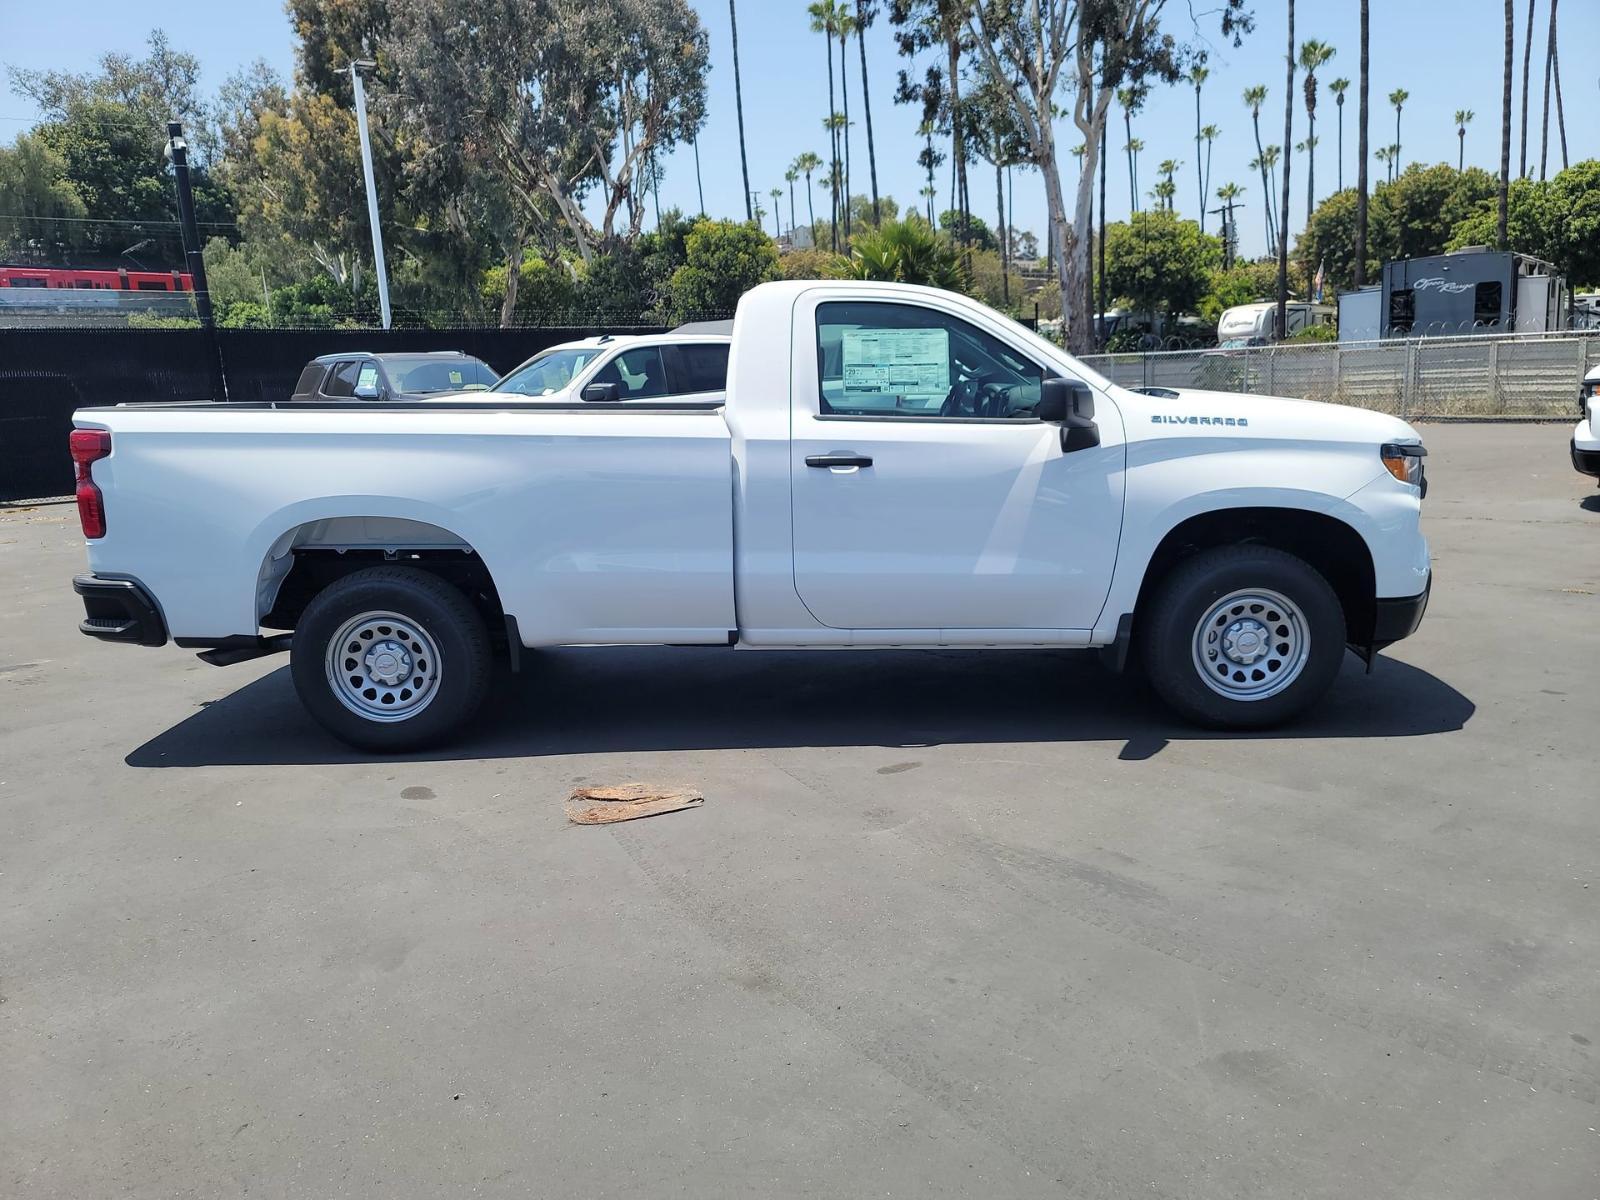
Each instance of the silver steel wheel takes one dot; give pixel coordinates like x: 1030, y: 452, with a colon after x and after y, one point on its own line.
x: 383, y: 667
x: 1251, y: 644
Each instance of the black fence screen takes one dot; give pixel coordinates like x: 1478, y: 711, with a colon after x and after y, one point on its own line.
x: 47, y: 374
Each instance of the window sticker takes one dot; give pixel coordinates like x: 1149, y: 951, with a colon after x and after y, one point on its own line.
x: 455, y: 378
x: 903, y: 362
x: 368, y: 377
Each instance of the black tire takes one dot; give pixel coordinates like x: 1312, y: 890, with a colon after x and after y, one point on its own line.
x: 1169, y: 621
x: 439, y: 612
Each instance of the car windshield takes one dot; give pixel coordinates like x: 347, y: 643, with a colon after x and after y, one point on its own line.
x: 420, y: 375
x: 548, y: 373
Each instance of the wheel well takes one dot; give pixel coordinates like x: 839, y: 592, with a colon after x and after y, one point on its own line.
x: 1335, y: 549
x: 309, y: 558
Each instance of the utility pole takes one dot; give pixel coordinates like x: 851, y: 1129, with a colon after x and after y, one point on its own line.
x: 178, y: 154
x: 359, y: 69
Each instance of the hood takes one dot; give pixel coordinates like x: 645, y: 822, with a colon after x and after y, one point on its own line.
x: 1176, y: 411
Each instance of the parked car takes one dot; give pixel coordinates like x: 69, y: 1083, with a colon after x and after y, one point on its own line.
x: 399, y: 376
x: 894, y: 466
x: 691, y: 367
x: 1586, y: 437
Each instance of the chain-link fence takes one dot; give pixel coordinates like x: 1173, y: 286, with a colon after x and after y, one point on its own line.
x: 1516, y: 375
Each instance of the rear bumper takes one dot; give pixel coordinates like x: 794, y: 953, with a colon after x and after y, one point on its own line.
x: 119, y: 610
x: 1398, y: 618
x: 1586, y: 461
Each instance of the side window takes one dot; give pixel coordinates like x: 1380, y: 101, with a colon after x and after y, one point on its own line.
x: 367, y: 377
x: 309, y: 378
x: 698, y: 368
x: 900, y: 360
x: 639, y: 372
x: 1486, y: 303
x: 341, y: 383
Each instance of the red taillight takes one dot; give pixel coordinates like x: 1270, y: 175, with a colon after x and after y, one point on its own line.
x: 87, y: 445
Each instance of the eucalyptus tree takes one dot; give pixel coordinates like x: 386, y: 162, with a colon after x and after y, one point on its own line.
x: 1313, y: 54
x: 1047, y: 50
x: 1339, y: 87
x: 1398, y: 98
x: 1197, y: 78
x: 1463, y: 119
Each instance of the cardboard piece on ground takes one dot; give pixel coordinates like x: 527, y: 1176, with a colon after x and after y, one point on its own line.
x: 627, y: 802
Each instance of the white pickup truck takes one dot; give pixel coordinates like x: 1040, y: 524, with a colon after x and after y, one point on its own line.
x: 891, y: 466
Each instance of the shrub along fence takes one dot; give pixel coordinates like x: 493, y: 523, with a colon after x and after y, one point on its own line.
x: 47, y: 374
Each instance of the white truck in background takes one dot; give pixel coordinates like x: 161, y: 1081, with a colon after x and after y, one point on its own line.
x: 891, y: 466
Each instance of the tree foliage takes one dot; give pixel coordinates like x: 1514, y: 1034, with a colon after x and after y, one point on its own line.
x: 1557, y: 220
x: 907, y: 251
x: 722, y: 261
x: 1159, y: 262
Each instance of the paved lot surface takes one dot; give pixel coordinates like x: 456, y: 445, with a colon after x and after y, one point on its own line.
x: 947, y: 925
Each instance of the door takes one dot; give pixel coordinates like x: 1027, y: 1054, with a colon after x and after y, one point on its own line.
x: 926, y: 495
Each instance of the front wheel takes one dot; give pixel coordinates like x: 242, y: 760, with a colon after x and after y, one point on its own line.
x: 1242, y: 637
x: 390, y: 659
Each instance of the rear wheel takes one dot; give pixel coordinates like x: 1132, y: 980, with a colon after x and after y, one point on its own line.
x: 1242, y: 637
x: 390, y: 659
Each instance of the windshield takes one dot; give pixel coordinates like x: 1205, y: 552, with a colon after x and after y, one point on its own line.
x: 420, y: 375
x: 550, y: 372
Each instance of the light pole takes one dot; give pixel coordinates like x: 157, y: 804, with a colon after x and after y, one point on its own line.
x: 178, y: 154
x: 359, y: 69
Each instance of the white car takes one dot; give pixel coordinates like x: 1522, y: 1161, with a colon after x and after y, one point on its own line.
x: 893, y: 466
x: 1586, y: 437
x: 652, y: 368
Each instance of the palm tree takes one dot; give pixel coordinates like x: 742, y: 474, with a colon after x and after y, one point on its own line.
x: 1197, y: 77
x: 1288, y: 168
x: 836, y: 176
x: 1502, y: 200
x: 1398, y: 98
x: 866, y: 13
x: 789, y: 177
x: 1385, y: 155
x: 738, y: 103
x: 1361, y: 157
x: 928, y: 192
x: 1313, y: 54
x: 1254, y: 98
x: 777, y: 212
x: 1463, y: 118
x: 1131, y: 99
x: 805, y: 164
x: 1552, y: 65
x: 823, y: 15
x: 1228, y: 193
x: 1527, y: 62
x: 844, y: 24
x: 1169, y: 168
x: 1339, y: 87
x: 1163, y: 193
x: 1209, y: 134
x: 1133, y: 147
x: 1270, y: 157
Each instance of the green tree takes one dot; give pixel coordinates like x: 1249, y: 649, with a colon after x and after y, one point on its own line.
x: 979, y: 235
x: 723, y: 260
x: 42, y: 209
x: 1557, y: 220
x: 907, y: 251
x: 1160, y: 263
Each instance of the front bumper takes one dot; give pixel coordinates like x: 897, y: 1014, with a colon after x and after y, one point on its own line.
x: 1398, y: 618
x: 119, y: 610
x: 1586, y: 461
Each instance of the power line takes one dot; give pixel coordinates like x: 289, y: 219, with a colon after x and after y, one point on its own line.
x: 79, y: 120
x: 111, y: 221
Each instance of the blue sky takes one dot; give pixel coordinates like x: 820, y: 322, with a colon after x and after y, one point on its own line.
x: 1446, y: 53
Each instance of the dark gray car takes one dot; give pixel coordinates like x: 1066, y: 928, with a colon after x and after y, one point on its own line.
x: 401, y: 376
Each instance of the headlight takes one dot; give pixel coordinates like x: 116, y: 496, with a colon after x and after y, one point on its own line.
x: 1586, y: 393
x: 1405, y: 464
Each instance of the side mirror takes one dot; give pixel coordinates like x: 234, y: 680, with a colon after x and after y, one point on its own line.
x: 1070, y: 404
x: 603, y: 393
x: 367, y: 391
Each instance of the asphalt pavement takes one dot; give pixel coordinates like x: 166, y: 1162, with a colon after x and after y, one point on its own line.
x: 948, y: 923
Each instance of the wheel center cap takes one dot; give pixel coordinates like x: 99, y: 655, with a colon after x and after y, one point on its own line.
x: 1245, y: 642
x: 388, y: 662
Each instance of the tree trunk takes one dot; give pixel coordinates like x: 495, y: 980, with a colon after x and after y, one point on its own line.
x: 1288, y: 162
x: 957, y: 137
x: 1555, y: 66
x: 1527, y: 65
x: 1200, y: 179
x: 699, y: 187
x: 1361, y: 159
x: 1000, y: 215
x: 1266, y: 188
x: 811, y: 211
x: 1311, y: 164
x: 508, y: 303
x: 1505, y: 123
x: 1549, y: 63
x: 844, y: 93
x: 1341, y: 143
x: 1133, y: 185
x: 866, y: 108
x: 833, y: 153
x: 1100, y: 325
x: 738, y: 104
x: 791, y: 210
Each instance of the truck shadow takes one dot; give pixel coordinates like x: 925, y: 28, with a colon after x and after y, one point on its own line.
x: 623, y: 699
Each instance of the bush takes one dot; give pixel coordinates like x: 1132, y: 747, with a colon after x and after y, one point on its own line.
x: 907, y: 251
x: 723, y: 260
x: 1316, y: 333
